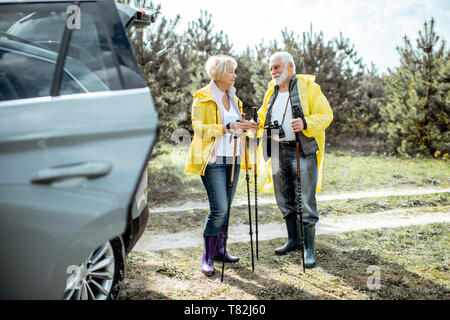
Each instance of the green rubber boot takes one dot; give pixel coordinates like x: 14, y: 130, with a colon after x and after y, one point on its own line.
x: 310, y: 259
x: 293, y: 242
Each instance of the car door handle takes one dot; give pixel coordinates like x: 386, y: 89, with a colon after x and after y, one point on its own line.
x: 92, y: 169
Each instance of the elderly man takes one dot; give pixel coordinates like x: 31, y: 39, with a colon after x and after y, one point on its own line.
x: 290, y: 95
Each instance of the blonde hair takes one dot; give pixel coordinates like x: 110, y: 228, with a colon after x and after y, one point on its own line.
x: 217, y: 66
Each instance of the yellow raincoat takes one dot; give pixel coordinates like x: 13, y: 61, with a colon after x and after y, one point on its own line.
x: 207, y: 126
x: 318, y: 116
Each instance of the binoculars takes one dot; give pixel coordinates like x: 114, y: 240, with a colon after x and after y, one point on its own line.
x: 271, y: 126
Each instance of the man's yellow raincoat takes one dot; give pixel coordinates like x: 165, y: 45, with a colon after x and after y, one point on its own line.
x: 318, y: 116
x: 208, y: 127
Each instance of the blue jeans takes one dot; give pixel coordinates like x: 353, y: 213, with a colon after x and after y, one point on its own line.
x: 216, y: 181
x: 284, y: 175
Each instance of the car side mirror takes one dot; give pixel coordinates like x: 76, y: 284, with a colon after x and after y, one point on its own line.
x: 144, y: 18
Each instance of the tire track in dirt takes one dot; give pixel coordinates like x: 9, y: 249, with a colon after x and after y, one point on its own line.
x: 270, y: 199
x: 151, y: 241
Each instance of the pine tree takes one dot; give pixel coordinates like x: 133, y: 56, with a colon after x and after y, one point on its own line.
x: 366, y: 119
x: 244, y: 87
x: 155, y: 47
x: 416, y: 110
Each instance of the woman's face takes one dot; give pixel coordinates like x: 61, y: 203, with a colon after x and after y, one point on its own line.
x: 228, y: 78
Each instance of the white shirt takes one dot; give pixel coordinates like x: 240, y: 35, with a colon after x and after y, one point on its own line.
x: 222, y: 148
x: 277, y: 114
x: 225, y: 147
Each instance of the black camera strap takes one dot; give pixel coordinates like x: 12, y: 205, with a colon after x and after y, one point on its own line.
x: 269, y: 109
x: 285, y: 108
x: 297, y: 111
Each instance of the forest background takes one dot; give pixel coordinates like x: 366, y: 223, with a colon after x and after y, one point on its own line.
x: 403, y: 112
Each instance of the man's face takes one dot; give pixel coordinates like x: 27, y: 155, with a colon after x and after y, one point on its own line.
x: 279, y: 71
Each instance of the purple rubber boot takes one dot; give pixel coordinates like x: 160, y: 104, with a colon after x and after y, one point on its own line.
x: 208, y: 255
x: 220, y: 248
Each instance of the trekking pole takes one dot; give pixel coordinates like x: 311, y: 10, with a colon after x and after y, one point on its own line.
x: 229, y: 206
x: 299, y: 192
x: 248, y: 197
x: 255, y: 147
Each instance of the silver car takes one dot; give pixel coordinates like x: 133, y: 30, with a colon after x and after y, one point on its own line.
x: 77, y: 126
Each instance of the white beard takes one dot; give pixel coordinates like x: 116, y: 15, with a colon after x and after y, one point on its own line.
x: 282, y: 77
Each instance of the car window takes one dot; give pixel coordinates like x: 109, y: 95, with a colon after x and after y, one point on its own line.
x: 89, y: 45
x: 97, y: 59
x: 18, y: 78
x: 129, y: 71
x: 23, y: 76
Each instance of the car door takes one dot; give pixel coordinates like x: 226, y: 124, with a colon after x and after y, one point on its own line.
x: 77, y: 125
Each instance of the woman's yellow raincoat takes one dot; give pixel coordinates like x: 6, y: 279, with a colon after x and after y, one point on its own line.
x: 207, y: 126
x: 318, y: 116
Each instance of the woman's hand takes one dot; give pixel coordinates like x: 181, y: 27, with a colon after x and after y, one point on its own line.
x: 238, y: 128
x: 245, y: 125
x: 254, y: 126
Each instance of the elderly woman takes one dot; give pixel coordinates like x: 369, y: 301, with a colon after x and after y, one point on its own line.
x: 216, y: 117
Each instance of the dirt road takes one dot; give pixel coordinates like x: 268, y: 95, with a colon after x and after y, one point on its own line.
x: 153, y: 241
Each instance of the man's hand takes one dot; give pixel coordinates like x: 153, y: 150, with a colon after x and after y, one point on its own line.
x: 297, y: 125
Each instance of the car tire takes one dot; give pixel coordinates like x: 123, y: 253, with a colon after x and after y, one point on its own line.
x: 100, y: 277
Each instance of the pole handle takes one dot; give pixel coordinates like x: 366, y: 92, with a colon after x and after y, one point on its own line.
x: 255, y: 114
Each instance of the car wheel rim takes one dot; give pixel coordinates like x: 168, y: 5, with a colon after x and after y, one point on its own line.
x: 93, y: 279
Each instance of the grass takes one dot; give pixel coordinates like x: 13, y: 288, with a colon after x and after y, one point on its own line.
x: 412, y: 262
x: 343, y: 172
x: 348, y: 172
